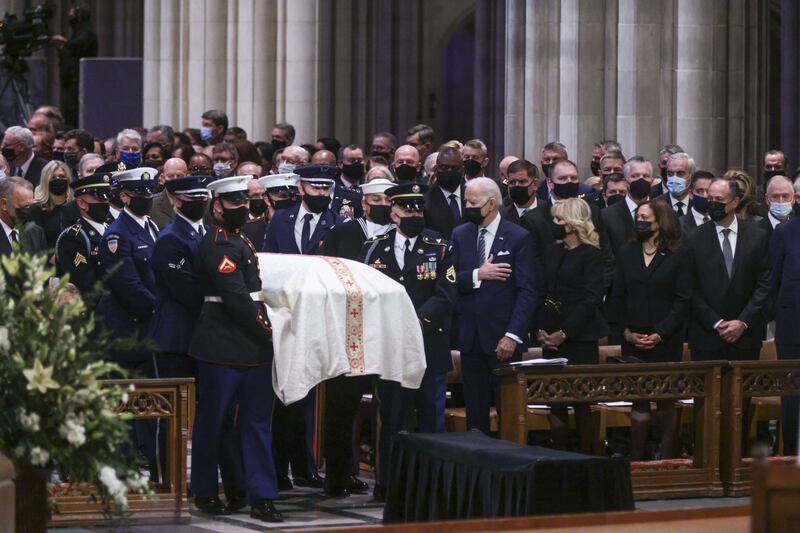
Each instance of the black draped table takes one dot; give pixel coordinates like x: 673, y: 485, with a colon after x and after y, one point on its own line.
x: 449, y: 476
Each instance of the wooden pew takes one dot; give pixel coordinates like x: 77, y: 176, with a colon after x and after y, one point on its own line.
x: 166, y: 399
x: 601, y: 383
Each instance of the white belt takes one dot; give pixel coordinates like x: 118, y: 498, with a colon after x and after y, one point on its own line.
x: 257, y: 296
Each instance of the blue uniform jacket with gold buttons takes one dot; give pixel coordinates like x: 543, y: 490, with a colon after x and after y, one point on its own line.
x: 430, y: 281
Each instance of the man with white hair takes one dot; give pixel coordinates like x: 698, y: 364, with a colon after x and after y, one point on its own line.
x: 494, y: 271
x: 291, y: 158
x: 17, y: 148
x: 88, y: 164
x: 780, y: 203
x: 129, y: 148
x: 680, y: 169
x: 16, y: 197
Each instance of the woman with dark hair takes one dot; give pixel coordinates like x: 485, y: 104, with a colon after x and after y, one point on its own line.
x: 184, y: 151
x: 247, y: 151
x: 650, y: 299
x: 155, y: 154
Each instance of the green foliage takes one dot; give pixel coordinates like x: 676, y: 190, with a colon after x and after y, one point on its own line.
x: 55, y: 413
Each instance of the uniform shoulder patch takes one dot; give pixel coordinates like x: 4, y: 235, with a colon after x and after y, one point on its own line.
x: 112, y: 243
x: 377, y: 238
x: 75, y: 229
x: 79, y: 258
x: 434, y: 240
x: 451, y: 274
x: 226, y: 266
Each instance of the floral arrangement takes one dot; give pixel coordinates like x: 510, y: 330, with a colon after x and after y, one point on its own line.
x: 56, y: 415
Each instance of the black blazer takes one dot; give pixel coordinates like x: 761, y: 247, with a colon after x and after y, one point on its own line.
x: 715, y: 297
x: 255, y: 229
x: 619, y: 225
x: 34, y: 173
x: 31, y: 239
x: 438, y: 216
x: 652, y: 299
x: 538, y: 220
x: 345, y: 240
x: 509, y: 212
x: 573, y: 279
x: 765, y: 224
x: 56, y: 220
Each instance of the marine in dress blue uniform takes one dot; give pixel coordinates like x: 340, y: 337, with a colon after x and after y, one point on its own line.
x: 78, y: 246
x: 301, y: 230
x: 420, y: 260
x: 232, y: 344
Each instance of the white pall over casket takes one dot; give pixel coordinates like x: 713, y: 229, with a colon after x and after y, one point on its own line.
x: 334, y: 316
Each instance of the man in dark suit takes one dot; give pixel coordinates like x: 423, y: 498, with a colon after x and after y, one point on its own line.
x: 698, y: 211
x: 523, y: 180
x: 780, y: 203
x: 17, y: 148
x: 302, y: 229
x: 444, y: 202
x: 680, y: 170
x: 731, y: 281
x: 347, y: 239
x: 552, y: 152
x: 618, y: 218
x: 16, y: 197
x: 493, y: 261
x: 784, y: 248
x: 564, y: 184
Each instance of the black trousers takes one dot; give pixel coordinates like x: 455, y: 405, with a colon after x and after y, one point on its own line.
x: 790, y: 405
x: 342, y: 400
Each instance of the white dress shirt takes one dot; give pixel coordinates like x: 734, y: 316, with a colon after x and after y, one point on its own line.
x: 631, y: 206
x: 298, y: 226
x: 100, y: 228
x: 447, y: 194
x: 197, y: 226
x: 699, y: 218
x: 8, y: 229
x: 772, y: 220
x: 114, y: 212
x: 374, y: 229
x: 400, y: 248
x: 734, y: 227
x: 674, y: 202
x: 488, y: 239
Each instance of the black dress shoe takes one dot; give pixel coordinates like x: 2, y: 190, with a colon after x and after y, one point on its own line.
x: 211, y: 506
x: 356, y: 486
x: 284, y: 483
x: 265, y: 511
x: 237, y: 503
x: 336, y: 492
x: 315, y: 481
x: 379, y: 493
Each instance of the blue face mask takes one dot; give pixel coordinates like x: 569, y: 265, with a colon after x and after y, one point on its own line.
x: 780, y: 211
x: 131, y: 159
x: 676, y: 185
x: 205, y: 134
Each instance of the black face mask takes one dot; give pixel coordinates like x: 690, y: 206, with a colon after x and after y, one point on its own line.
x: 639, y: 189
x: 449, y: 180
x: 353, y: 172
x: 716, y: 211
x: 22, y: 215
x: 98, y: 212
x: 385, y: 155
x: 59, y: 187
x: 472, y: 168
x: 234, y: 218
x: 194, y: 211
x: 474, y: 215
x: 9, y: 154
x: 286, y: 203
x: 406, y: 173
x: 559, y: 231
x: 546, y: 169
x: 644, y: 230
x: 379, y: 214
x: 140, y: 206
x: 278, y: 144
x: 611, y: 200
x: 412, y: 226
x: 595, y: 166
x: 257, y: 207
x: 317, y: 204
x: 58, y: 155
x: 700, y: 204
x: 519, y: 194
x: 769, y: 174
x: 71, y: 159
x: 562, y: 191
x: 664, y: 174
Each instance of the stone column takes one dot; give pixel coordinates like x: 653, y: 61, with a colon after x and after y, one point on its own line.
x: 790, y: 82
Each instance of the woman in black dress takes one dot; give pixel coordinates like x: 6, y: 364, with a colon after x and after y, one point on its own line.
x: 571, y: 322
x: 53, y: 208
x: 651, y: 299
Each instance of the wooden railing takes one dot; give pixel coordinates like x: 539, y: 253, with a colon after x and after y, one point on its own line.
x: 171, y: 400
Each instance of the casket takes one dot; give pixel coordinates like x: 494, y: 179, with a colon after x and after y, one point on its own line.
x: 333, y: 316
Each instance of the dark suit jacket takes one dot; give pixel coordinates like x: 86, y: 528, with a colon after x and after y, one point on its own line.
x: 715, y: 297
x: 280, y: 232
x: 619, y: 224
x: 255, y: 230
x: 509, y: 212
x: 496, y: 307
x: 766, y: 224
x: 785, y: 255
x: 573, y: 280
x: 653, y: 299
x: 178, y: 297
x: 438, y: 215
x: 34, y: 173
x: 31, y: 239
x: 345, y: 240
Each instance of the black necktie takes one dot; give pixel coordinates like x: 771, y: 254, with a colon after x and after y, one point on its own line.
x: 679, y: 210
x: 14, y: 236
x: 455, y: 208
x: 306, y: 235
x: 407, y: 254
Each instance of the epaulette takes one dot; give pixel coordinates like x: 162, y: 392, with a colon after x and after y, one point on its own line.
x: 220, y: 233
x: 438, y: 240
x: 377, y: 238
x: 75, y: 229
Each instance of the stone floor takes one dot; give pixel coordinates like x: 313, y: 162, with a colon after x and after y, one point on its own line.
x: 306, y: 509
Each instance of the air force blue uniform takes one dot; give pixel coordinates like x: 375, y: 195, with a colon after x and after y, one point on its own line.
x: 280, y: 232
x: 511, y: 303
